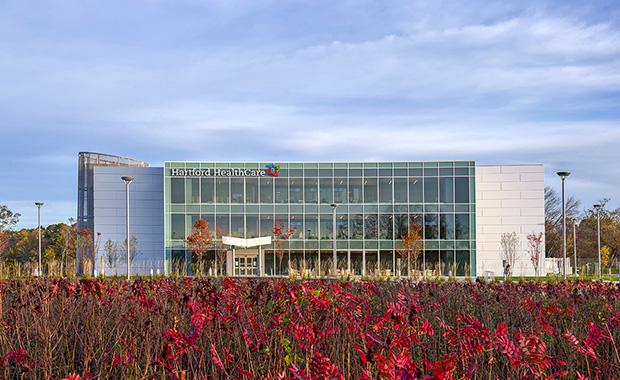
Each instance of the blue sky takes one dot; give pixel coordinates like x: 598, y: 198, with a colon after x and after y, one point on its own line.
x: 499, y: 82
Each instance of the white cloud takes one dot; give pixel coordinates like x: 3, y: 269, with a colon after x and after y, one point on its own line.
x: 490, y: 80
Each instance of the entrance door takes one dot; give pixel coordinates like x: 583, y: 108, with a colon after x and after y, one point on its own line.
x: 245, y: 265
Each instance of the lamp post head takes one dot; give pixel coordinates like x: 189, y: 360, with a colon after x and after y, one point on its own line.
x: 127, y: 179
x: 39, y: 204
x: 598, y: 207
x: 563, y: 175
x: 334, y: 205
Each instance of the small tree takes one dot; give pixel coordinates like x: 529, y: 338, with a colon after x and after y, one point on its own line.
x: 605, y: 257
x: 280, y: 238
x: 412, y: 246
x: 134, y: 249
x: 510, y: 250
x: 200, y: 240
x: 69, y: 247
x: 535, y: 249
x: 112, y: 253
x: 88, y: 243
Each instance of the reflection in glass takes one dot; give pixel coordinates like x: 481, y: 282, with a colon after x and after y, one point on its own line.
x: 252, y: 226
x: 221, y: 221
x: 266, y: 190
x: 461, y: 190
x: 340, y: 190
x: 177, y: 226
x: 207, y: 192
x: 462, y: 263
x: 370, y: 226
x: 266, y: 225
x: 192, y: 193
x: 370, y: 190
x: 222, y: 191
x: 251, y: 190
x: 386, y: 229
x: 385, y: 190
x: 236, y: 190
x: 371, y: 262
x: 431, y: 262
x: 356, y: 223
x: 190, y: 220
x: 210, y: 219
x: 415, y: 190
x: 327, y: 195
x: 342, y: 227
x: 177, y: 190
x: 297, y: 223
x: 356, y: 262
x: 400, y: 190
x: 401, y: 225
x: 236, y: 226
x: 461, y: 223
x: 447, y: 263
x: 327, y: 226
x: 311, y: 188
x: 295, y: 187
x: 355, y: 190
x: 446, y: 193
x: 312, y: 227
x: 386, y: 261
x: 430, y: 226
x: 281, y: 190
x: 446, y: 227
x: 431, y: 190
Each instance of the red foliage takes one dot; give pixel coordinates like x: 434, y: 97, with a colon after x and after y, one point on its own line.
x: 201, y: 239
x: 264, y: 329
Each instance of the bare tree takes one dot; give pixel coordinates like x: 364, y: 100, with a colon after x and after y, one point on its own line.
x: 112, y: 253
x: 134, y: 248
x: 535, y: 247
x: 510, y: 250
x: 553, y: 219
x: 68, y: 235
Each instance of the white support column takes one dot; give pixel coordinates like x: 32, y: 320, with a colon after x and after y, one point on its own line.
x: 364, y: 263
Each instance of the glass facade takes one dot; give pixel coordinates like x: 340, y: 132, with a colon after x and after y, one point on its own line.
x: 376, y: 202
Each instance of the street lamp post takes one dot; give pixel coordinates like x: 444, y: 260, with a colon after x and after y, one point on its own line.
x: 598, y: 234
x: 39, y: 204
x: 127, y: 181
x: 563, y: 175
x: 334, y: 235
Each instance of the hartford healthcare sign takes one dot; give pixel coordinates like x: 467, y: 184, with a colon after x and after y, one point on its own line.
x: 271, y: 170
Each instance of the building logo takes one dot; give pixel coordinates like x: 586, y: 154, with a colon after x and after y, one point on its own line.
x: 273, y: 170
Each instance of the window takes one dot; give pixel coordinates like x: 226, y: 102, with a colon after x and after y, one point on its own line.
x: 385, y: 190
x: 415, y: 190
x: 461, y: 185
x: 177, y: 190
x: 370, y: 190
x: 266, y: 190
x: 222, y: 191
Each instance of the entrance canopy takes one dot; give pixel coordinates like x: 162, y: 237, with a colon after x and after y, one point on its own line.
x: 238, y: 242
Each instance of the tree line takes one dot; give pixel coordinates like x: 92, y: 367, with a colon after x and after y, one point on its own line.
x: 60, y: 241
x: 581, y: 229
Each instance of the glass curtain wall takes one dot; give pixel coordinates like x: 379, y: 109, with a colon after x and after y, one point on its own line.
x: 377, y: 205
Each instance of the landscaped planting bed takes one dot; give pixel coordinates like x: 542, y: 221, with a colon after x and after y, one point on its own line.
x: 280, y: 329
